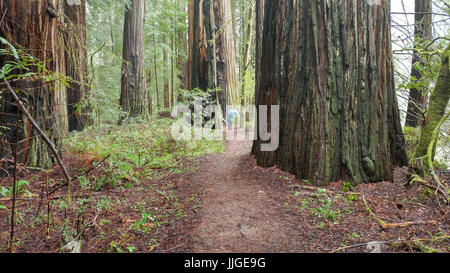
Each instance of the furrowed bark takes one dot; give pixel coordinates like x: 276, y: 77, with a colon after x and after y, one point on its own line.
x: 226, y: 52
x: 46, y: 101
x: 132, y: 97
x: 328, y: 64
x: 76, y: 64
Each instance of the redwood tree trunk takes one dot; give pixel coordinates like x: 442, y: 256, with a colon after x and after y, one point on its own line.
x: 166, y: 77
x: 32, y: 26
x: 198, y: 60
x: 422, y: 31
x: 76, y: 64
x: 226, y: 53
x: 328, y: 64
x: 132, y: 97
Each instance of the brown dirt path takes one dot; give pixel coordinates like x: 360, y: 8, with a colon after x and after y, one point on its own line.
x: 238, y: 213
x: 248, y: 209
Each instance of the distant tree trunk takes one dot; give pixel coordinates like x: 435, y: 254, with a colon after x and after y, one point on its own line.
x: 246, y: 56
x: 438, y: 104
x: 155, y: 66
x: 198, y: 56
x: 211, y: 41
x: 133, y: 79
x: 46, y: 101
x: 226, y: 53
x: 422, y: 31
x: 149, y: 93
x: 210, y: 31
x: 166, y: 76
x: 190, y: 48
x: 76, y: 64
x: 172, y: 71
x: 328, y: 64
x: 182, y: 48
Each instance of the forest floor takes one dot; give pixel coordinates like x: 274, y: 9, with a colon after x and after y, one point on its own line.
x: 224, y: 202
x: 246, y: 208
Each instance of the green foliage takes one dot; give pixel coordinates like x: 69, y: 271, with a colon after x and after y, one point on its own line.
x: 321, y: 206
x: 348, y: 187
x: 6, y: 192
x: 412, y: 136
x: 146, y: 223
x: 165, y: 22
x: 136, y: 150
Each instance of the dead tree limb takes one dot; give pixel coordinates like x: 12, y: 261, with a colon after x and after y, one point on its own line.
x: 39, y: 130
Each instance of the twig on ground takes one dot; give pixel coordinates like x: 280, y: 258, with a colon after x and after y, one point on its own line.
x: 385, y: 225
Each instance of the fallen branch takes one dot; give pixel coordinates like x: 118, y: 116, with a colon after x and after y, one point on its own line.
x: 437, y: 189
x: 358, y: 245
x: 311, y: 188
x: 385, y: 225
x: 395, y: 243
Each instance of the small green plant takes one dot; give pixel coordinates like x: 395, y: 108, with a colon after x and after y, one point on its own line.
x: 84, y: 182
x: 115, y: 247
x: 103, y: 205
x: 145, y: 224
x: 348, y: 187
x: 20, y: 189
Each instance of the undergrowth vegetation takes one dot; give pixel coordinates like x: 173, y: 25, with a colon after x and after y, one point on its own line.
x: 136, y: 151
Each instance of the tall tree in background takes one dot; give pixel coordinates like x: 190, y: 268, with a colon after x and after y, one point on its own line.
x: 422, y: 32
x: 182, y: 44
x: 246, y: 56
x: 166, y: 75
x: 212, y: 48
x: 197, y: 72
x: 328, y: 64
x: 32, y: 26
x: 226, y: 52
x: 76, y: 63
x: 132, y: 97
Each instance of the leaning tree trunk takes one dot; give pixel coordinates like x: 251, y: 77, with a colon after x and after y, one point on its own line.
x: 422, y: 31
x: 438, y: 104
x: 76, y: 64
x: 46, y: 101
x: 328, y: 64
x: 132, y: 97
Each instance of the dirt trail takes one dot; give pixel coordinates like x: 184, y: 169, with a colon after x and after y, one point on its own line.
x: 248, y: 209
x: 238, y: 213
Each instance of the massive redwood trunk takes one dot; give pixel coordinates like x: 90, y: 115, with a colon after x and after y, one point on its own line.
x: 328, y: 64
x: 32, y: 26
x: 132, y: 97
x: 76, y: 64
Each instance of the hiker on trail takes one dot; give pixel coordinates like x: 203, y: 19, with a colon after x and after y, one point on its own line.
x: 232, y: 114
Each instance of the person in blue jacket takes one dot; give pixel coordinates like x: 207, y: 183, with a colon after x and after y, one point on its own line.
x: 231, y: 116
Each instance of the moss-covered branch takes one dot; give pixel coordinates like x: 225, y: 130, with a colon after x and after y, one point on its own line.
x: 436, y: 112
